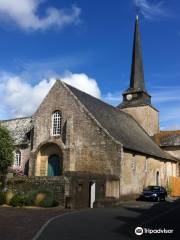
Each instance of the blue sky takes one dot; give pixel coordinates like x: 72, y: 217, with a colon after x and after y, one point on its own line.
x: 89, y: 45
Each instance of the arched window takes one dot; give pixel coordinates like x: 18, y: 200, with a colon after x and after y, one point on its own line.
x: 56, y: 123
x: 17, y: 161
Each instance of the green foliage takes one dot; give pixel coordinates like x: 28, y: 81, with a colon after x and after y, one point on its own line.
x: 2, y: 198
x: 18, y: 200
x: 6, y: 150
x: 29, y: 198
x: 9, y: 195
x: 40, y: 198
x: 169, y: 187
x: 46, y: 198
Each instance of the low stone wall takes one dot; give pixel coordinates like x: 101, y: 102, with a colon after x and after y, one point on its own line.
x: 55, y: 184
x: 71, y: 190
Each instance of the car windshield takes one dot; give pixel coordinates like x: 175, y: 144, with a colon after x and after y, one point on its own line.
x: 151, y: 188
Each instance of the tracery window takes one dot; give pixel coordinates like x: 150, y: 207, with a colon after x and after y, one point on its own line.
x: 17, y: 160
x: 56, y: 123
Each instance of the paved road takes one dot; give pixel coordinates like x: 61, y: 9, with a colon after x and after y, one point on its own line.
x: 115, y: 223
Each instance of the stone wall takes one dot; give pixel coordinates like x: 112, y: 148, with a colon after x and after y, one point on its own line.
x: 84, y: 145
x: 146, y: 116
x: 138, y: 171
x: 174, y: 151
x: 71, y: 190
x: 54, y: 184
x: 25, y: 155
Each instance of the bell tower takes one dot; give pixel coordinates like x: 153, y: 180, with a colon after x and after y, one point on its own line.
x: 136, y: 100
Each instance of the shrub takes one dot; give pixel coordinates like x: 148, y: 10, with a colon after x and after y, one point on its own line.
x: 39, y: 197
x: 8, y: 196
x: 18, y: 200
x: 169, y: 187
x: 44, y: 198
x: 29, y: 198
x: 2, y: 198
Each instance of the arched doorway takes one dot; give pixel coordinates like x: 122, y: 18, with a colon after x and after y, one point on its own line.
x: 54, y: 168
x: 49, y: 161
x: 157, y: 178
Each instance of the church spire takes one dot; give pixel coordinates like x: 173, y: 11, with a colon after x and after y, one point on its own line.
x: 137, y: 70
x: 136, y: 94
x: 136, y: 100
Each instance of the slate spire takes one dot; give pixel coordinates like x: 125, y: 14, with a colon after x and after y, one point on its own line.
x: 137, y: 70
x: 136, y: 94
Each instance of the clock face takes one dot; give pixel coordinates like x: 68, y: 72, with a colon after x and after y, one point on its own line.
x: 129, y: 97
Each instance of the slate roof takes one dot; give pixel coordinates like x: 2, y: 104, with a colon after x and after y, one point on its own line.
x: 137, y: 70
x: 168, y: 138
x: 120, y: 125
x: 19, y: 129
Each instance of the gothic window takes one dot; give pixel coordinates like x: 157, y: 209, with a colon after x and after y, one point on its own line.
x: 17, y: 161
x: 56, y: 123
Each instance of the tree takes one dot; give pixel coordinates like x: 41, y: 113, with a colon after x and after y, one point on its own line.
x: 6, y: 154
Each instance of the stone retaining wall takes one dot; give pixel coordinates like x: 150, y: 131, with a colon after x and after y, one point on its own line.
x: 55, y: 184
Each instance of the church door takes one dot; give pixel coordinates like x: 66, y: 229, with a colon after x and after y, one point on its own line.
x: 54, y: 165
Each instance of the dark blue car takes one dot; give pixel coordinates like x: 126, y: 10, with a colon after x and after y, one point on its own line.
x: 154, y: 193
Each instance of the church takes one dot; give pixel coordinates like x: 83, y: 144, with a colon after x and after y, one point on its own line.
x: 116, y: 150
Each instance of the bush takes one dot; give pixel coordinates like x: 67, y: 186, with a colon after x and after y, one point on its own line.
x: 18, y: 200
x: 44, y: 198
x: 2, y: 198
x: 41, y: 198
x: 169, y: 188
x: 29, y: 198
x: 8, y: 196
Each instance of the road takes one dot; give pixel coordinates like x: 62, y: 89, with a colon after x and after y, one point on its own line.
x: 116, y: 223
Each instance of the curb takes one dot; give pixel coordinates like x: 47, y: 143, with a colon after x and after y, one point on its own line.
x: 45, y: 225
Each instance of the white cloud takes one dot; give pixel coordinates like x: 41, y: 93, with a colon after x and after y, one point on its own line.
x: 113, y: 98
x: 166, y: 95
x: 82, y: 82
x: 151, y: 10
x: 25, y: 14
x: 172, y: 127
x: 20, y: 98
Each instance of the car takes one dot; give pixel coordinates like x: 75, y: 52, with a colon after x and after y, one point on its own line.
x: 154, y: 193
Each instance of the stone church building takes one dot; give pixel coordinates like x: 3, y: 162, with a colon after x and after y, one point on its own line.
x: 118, y: 150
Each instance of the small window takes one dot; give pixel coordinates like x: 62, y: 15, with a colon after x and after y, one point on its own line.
x: 56, y: 123
x: 165, y: 169
x: 146, y: 164
x: 17, y: 161
x: 133, y: 163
